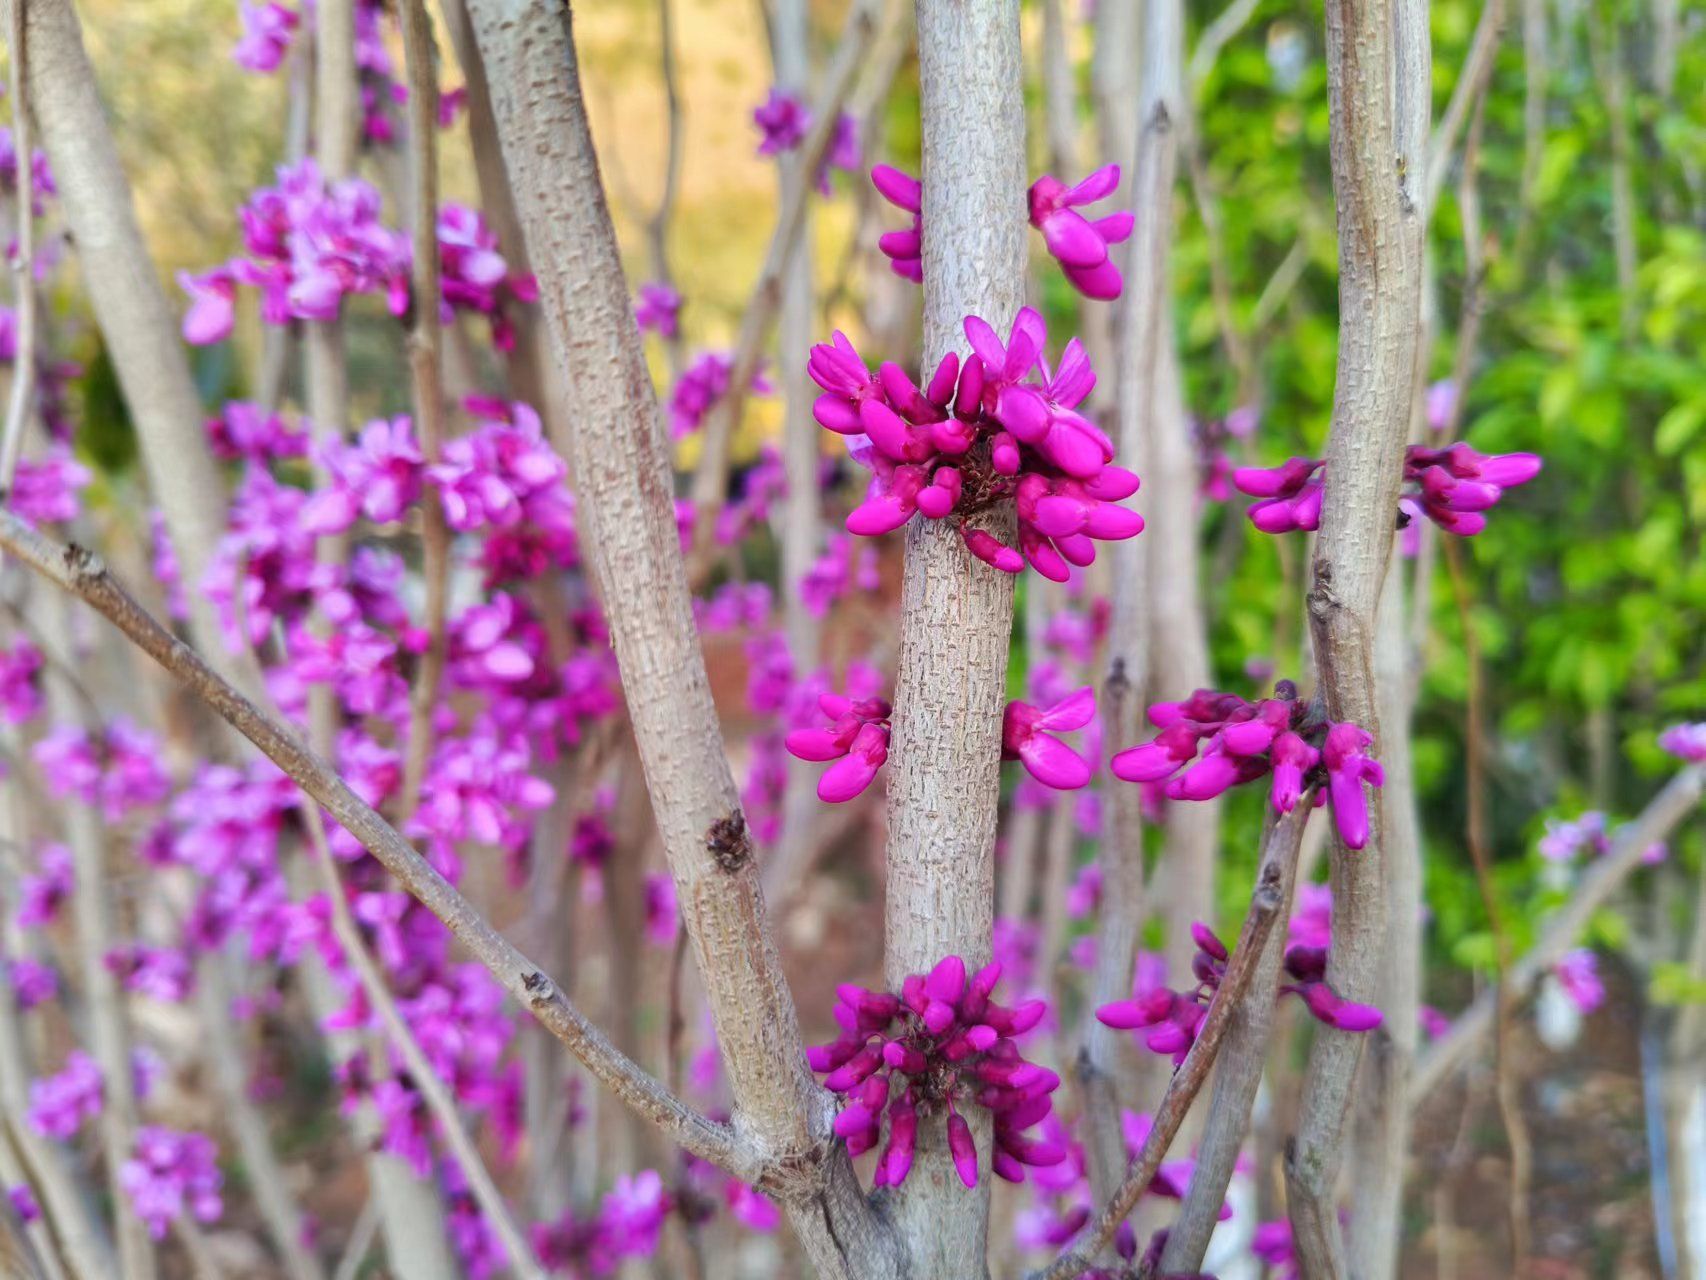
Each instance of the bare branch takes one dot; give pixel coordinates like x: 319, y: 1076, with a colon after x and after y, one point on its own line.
x: 136, y: 322
x: 24, y: 263
x: 1266, y: 904
x: 1239, y: 1071
x: 619, y: 456
x: 82, y: 574
x: 1669, y: 807
x: 1216, y: 36
x: 425, y: 342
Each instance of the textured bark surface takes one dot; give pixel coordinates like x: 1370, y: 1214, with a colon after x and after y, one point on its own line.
x: 618, y: 451
x: 944, y: 764
x: 1377, y: 66
x: 137, y: 323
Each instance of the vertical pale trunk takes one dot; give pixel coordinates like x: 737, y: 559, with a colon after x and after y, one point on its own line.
x: 1377, y: 77
x: 136, y: 322
x: 800, y: 533
x: 95, y: 930
x: 956, y: 612
x: 620, y: 459
x: 1113, y: 88
x: 1383, y: 1122
x: 80, y: 1233
x: 1107, y: 1066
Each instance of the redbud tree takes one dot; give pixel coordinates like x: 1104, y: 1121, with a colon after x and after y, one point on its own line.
x: 450, y: 798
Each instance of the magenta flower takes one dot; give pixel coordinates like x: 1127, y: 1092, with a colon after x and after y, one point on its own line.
x: 657, y: 309
x: 1578, y: 976
x: 213, y: 305
x: 1079, y: 245
x: 378, y: 476
x: 268, y: 29
x: 1272, y: 1244
x: 1241, y: 741
x: 1347, y: 769
x: 172, y: 1174
x: 1434, y: 1023
x: 59, y: 1104
x: 1441, y: 403
x: 857, y: 740
x: 917, y: 444
x: 1290, y: 493
x: 20, y: 696
x: 920, y: 1055
x: 783, y: 120
x: 1685, y: 742
x: 1307, y: 967
x: 33, y: 983
x: 704, y: 382
x: 44, y: 490
x: 904, y: 249
x: 1027, y: 735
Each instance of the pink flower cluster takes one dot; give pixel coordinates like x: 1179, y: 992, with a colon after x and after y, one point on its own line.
x: 626, y: 1224
x: 59, y: 1104
x: 20, y: 692
x: 783, y: 122
x: 980, y: 434
x: 1578, y: 977
x: 1451, y: 487
x: 657, y: 309
x: 704, y: 382
x: 45, y: 489
x: 121, y: 770
x: 1177, y: 1016
x: 1242, y: 741
x: 857, y: 740
x: 1027, y: 735
x: 941, y: 1043
x: 172, y: 1174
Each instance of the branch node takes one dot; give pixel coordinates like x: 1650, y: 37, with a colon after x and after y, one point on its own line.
x: 727, y: 840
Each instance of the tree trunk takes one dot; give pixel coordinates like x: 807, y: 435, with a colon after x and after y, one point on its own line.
x: 956, y: 612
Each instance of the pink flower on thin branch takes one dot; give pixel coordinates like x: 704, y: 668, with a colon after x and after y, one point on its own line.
x: 857, y: 740
x: 1027, y: 735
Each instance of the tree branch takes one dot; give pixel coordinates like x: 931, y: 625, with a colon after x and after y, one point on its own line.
x: 23, y: 265
x: 619, y: 456
x: 1377, y: 83
x: 1238, y: 1073
x: 1266, y: 904
x: 82, y: 574
x: 944, y: 764
x: 1668, y: 808
x: 425, y: 342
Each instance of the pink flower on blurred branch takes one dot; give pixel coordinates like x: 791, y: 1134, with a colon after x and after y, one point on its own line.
x: 1686, y: 742
x: 857, y: 740
x: 1078, y: 244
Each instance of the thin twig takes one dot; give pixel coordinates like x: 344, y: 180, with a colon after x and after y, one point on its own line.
x: 360, y: 1242
x: 1216, y: 36
x: 81, y: 573
x: 1265, y: 908
x: 1239, y: 1072
x: 425, y: 341
x: 711, y: 478
x: 1504, y: 1085
x: 23, y: 265
x: 1679, y: 798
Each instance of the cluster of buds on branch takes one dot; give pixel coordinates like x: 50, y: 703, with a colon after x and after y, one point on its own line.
x: 941, y: 1043
x: 981, y: 433
x: 1079, y: 244
x: 1176, y: 1016
x: 1450, y: 486
x: 1242, y: 741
